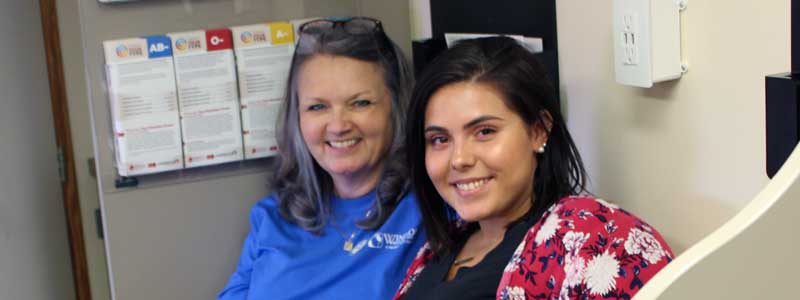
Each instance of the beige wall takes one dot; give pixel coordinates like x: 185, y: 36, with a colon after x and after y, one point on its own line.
x: 684, y: 155
x: 34, y: 248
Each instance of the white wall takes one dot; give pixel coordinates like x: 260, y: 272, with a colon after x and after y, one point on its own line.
x: 685, y: 155
x: 34, y: 251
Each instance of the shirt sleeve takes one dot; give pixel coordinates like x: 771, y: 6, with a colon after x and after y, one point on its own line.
x: 239, y: 283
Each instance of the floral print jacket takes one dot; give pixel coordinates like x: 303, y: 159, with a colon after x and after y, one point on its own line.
x: 581, y: 248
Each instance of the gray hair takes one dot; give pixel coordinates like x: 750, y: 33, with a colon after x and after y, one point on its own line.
x: 303, y: 188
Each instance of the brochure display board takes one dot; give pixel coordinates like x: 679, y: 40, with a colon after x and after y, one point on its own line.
x: 263, y: 57
x: 144, y: 108
x: 207, y: 97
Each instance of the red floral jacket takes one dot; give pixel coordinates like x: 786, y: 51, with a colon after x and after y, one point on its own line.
x: 581, y: 248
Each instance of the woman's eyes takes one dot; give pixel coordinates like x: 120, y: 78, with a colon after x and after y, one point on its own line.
x: 485, y: 132
x: 481, y: 134
x: 437, y: 140
x: 362, y: 103
x: 315, y: 107
x: 357, y: 104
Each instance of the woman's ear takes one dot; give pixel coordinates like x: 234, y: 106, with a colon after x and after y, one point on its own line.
x: 541, y: 131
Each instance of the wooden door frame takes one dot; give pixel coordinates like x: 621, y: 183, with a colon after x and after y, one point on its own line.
x: 69, y: 187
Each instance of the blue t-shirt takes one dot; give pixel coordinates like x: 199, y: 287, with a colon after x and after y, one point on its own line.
x: 282, y: 261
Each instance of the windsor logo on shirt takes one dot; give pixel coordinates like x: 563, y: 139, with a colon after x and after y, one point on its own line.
x: 383, y: 240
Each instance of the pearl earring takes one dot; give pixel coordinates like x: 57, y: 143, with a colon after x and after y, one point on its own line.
x: 541, y: 148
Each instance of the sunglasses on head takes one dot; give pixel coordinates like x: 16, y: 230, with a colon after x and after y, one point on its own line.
x: 350, y: 25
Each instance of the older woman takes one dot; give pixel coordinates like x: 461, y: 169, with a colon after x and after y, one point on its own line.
x: 487, y: 139
x: 341, y: 223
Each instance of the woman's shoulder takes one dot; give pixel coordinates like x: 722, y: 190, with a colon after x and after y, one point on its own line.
x: 594, y: 214
x: 586, y: 244
x: 267, y: 204
x: 585, y: 202
x: 408, y: 201
x: 594, y: 218
x: 266, y: 211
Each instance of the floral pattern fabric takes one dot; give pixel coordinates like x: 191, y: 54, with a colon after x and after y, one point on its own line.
x: 581, y: 248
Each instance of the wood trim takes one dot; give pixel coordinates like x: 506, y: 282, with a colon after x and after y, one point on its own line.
x: 58, y: 97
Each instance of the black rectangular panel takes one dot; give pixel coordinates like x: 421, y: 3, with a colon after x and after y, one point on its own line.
x: 781, y: 119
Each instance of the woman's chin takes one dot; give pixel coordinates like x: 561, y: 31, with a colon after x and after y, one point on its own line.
x: 350, y: 172
x: 470, y: 216
x: 343, y: 171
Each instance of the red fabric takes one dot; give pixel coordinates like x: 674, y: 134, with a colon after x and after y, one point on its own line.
x: 581, y: 248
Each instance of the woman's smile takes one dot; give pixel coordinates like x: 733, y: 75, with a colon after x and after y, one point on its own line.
x: 471, y: 186
x: 343, y: 144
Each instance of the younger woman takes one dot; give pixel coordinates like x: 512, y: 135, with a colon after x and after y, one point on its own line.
x: 487, y: 139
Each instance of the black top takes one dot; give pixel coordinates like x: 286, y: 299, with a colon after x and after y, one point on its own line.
x: 476, y: 282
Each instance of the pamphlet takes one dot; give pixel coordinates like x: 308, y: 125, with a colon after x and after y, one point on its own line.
x: 207, y: 97
x: 263, y: 57
x: 144, y: 106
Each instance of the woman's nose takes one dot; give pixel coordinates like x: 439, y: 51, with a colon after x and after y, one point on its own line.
x: 462, y: 156
x: 340, y: 122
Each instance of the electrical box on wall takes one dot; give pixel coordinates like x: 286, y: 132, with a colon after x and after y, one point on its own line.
x: 647, y: 41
